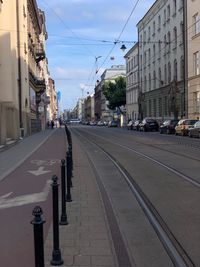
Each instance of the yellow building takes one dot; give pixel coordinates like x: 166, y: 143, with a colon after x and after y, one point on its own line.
x: 23, y: 69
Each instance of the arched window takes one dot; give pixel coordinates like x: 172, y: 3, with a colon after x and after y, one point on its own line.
x: 182, y: 68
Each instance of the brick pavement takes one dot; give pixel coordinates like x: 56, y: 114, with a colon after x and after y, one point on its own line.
x: 86, y: 240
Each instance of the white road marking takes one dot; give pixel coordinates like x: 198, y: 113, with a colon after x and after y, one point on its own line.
x: 6, y: 195
x: 39, y: 171
x: 26, y: 199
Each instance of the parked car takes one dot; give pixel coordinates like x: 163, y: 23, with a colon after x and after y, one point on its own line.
x: 168, y: 126
x: 130, y: 125
x: 136, y: 125
x: 148, y: 124
x: 100, y: 123
x: 112, y: 124
x: 195, y: 131
x: 183, y: 126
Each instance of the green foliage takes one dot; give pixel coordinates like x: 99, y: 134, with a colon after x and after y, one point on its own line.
x: 115, y: 92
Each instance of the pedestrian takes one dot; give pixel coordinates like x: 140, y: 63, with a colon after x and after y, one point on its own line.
x: 52, y: 124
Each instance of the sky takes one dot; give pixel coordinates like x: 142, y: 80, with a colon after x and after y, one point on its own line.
x: 84, y: 38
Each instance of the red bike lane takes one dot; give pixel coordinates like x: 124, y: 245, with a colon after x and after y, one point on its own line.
x: 23, y: 189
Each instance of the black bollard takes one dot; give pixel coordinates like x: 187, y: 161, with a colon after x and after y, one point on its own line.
x: 38, y: 236
x: 56, y: 254
x: 63, y: 218
x: 71, y: 158
x: 69, y: 180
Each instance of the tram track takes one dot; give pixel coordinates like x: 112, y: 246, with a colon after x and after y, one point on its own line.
x: 174, y: 249
x: 177, y: 172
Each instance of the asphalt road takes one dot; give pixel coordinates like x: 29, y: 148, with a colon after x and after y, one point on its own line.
x: 23, y: 189
x: 167, y: 169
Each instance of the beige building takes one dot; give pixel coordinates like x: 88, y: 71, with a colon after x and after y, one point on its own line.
x: 23, y: 69
x: 132, y: 83
x: 53, y: 106
x: 193, y: 54
x: 14, y: 93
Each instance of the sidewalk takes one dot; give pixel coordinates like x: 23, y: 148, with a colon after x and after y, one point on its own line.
x: 86, y: 240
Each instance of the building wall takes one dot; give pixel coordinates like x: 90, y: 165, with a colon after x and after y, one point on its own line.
x: 13, y: 69
x: 161, y: 59
x: 193, y: 44
x: 132, y: 83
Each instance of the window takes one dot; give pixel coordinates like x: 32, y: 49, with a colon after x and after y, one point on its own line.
x: 149, y: 81
x: 169, y: 41
x: 140, y: 39
x: 154, y: 51
x: 159, y: 23
x: 154, y: 28
x: 196, y: 63
x: 182, y: 68
x: 182, y: 32
x: 144, y: 37
x: 174, y: 7
x: 175, y: 70
x: 149, y: 33
x: 196, y: 100
x: 154, y: 79
x: 159, y: 47
x: 160, y: 77
x: 196, y: 23
x: 149, y: 107
x: 165, y: 16
x: 169, y: 72
x: 175, y: 37
x: 165, y: 69
x: 145, y: 83
x: 149, y: 55
x: 154, y: 107
x: 168, y: 12
x: 160, y: 107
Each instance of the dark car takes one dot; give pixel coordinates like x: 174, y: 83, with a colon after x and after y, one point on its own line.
x: 195, y: 131
x: 112, y: 124
x: 168, y: 126
x: 130, y: 125
x: 136, y: 125
x: 149, y: 124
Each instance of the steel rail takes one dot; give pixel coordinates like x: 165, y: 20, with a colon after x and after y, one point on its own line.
x: 173, y: 170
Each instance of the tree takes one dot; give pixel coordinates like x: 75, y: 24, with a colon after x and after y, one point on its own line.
x: 115, y: 92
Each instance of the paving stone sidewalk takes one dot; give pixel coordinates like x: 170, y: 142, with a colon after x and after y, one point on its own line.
x: 86, y: 240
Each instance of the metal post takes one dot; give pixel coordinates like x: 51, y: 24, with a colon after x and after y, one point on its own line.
x: 69, y: 181
x: 63, y: 218
x: 71, y: 159
x: 56, y: 254
x: 38, y: 236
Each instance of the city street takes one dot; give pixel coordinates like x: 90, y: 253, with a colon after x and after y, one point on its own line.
x: 149, y: 186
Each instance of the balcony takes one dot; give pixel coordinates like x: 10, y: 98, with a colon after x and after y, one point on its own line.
x: 38, y: 83
x: 39, y: 53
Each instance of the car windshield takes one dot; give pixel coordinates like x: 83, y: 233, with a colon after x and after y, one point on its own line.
x: 190, y: 122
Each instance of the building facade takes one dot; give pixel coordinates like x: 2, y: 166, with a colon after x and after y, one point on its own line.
x: 162, y: 89
x: 132, y: 83
x: 193, y: 57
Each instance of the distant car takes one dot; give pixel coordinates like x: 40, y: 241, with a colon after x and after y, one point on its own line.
x: 195, y: 131
x: 93, y: 123
x: 112, y: 124
x: 148, y: 124
x: 168, y: 126
x: 130, y: 125
x: 100, y: 123
x: 136, y: 125
x: 183, y: 126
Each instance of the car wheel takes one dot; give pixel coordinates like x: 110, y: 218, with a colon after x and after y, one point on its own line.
x: 190, y: 135
x: 182, y: 133
x: 176, y: 133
